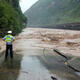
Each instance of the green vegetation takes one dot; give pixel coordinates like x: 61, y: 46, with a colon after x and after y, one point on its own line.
x: 11, y: 17
x: 51, y: 12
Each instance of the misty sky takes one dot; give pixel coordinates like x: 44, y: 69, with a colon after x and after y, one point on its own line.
x: 26, y: 4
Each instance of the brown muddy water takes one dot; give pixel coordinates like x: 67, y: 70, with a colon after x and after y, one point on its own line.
x: 33, y: 63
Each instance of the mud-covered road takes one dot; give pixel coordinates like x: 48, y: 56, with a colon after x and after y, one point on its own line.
x: 32, y: 62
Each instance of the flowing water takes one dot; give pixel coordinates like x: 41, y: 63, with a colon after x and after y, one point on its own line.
x: 33, y: 63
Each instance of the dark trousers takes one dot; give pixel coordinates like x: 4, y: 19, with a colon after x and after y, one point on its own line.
x: 9, y: 49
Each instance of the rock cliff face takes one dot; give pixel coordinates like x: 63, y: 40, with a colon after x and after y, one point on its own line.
x: 11, y: 17
x: 51, y: 12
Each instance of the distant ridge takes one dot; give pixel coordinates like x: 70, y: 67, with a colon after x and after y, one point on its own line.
x: 47, y: 13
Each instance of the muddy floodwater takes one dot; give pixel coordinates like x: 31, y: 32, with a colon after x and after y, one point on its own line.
x: 35, y: 63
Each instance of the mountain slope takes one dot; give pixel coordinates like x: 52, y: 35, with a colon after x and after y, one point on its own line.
x: 51, y: 12
x: 11, y: 17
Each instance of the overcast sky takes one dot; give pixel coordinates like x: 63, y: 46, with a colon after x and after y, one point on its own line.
x: 26, y: 4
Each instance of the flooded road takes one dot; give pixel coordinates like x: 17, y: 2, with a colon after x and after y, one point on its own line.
x: 39, y: 66
x: 33, y: 63
x: 33, y: 69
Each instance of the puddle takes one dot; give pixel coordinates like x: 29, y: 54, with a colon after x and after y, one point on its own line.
x: 34, y: 69
x: 9, y: 70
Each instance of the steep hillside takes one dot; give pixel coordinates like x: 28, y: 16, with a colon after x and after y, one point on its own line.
x: 51, y: 12
x: 11, y: 17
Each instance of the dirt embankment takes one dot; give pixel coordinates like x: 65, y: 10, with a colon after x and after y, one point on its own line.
x: 66, y: 41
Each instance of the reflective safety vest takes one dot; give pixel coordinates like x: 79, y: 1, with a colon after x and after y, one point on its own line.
x: 8, y: 38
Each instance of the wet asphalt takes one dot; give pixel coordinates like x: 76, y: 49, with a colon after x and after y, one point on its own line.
x: 43, y: 65
x: 33, y: 63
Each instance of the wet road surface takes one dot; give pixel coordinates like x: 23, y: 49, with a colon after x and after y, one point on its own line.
x: 39, y: 66
x: 33, y: 63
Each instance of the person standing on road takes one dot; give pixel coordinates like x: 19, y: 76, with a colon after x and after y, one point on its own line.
x: 9, y: 47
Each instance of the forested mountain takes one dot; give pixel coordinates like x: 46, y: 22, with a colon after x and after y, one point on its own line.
x: 51, y: 12
x: 11, y: 17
